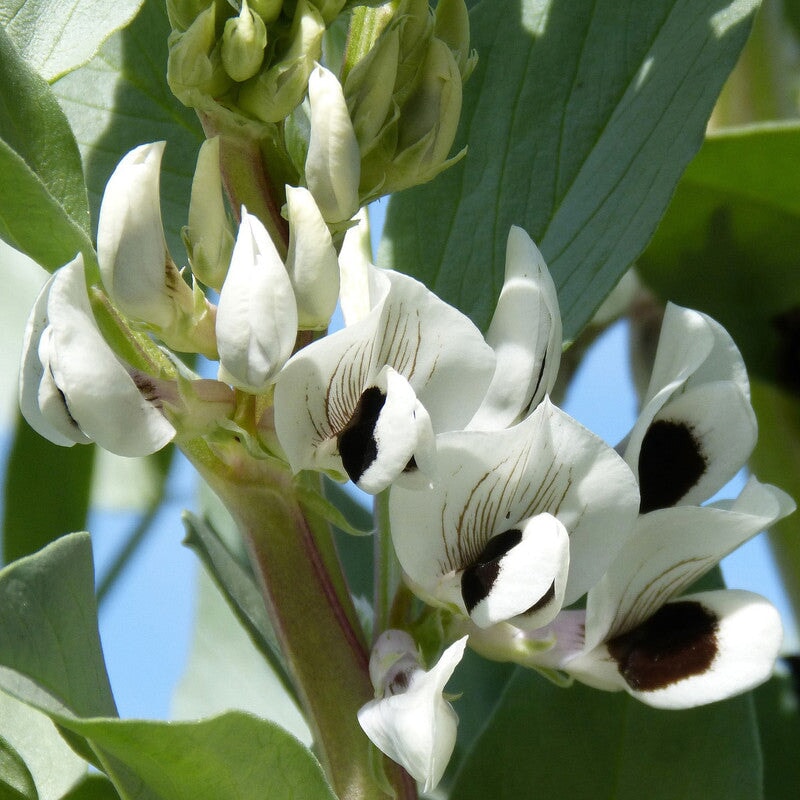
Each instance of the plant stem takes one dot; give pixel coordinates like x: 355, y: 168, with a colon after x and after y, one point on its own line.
x: 312, y: 613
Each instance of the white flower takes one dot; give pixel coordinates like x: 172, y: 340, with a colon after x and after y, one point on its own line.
x: 333, y: 162
x: 256, y: 323
x: 410, y: 721
x: 519, y: 521
x: 366, y: 401
x: 525, y: 333
x: 73, y: 389
x: 640, y: 635
x: 697, y: 427
x: 136, y: 268
x: 311, y: 262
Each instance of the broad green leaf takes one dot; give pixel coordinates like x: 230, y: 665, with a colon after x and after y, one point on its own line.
x: 779, y: 724
x: 45, y: 211
x: 16, y: 781
x: 120, y: 99
x: 225, y: 671
x: 46, y: 492
x: 50, y: 649
x: 54, y: 38
x: 580, y: 118
x: 235, y: 755
x: 52, y: 764
x: 93, y: 787
x: 582, y: 743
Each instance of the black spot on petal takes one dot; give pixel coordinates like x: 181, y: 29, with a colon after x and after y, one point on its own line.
x: 678, y: 641
x: 357, y: 445
x: 671, y: 462
x: 544, y: 600
x: 478, y: 579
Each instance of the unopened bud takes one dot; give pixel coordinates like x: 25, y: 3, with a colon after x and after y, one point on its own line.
x: 208, y: 236
x: 333, y: 163
x: 452, y: 27
x: 272, y: 94
x: 194, y: 68
x: 311, y: 262
x: 268, y: 10
x: 243, y: 43
x: 329, y: 9
x: 182, y: 13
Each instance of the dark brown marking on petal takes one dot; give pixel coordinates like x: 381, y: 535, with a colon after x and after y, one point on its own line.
x: 478, y: 579
x: 357, y: 445
x: 412, y: 466
x: 677, y: 642
x: 671, y: 462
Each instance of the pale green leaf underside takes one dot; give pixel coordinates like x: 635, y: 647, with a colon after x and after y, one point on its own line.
x: 579, y: 119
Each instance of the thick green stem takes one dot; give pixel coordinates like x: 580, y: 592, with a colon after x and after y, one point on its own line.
x: 312, y: 613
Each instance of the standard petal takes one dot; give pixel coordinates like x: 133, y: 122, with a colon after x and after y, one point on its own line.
x: 311, y: 262
x: 257, y: 315
x: 671, y: 549
x: 131, y: 249
x: 101, y: 396
x: 520, y: 575
x: 417, y: 727
x: 525, y: 333
x: 438, y: 351
x: 699, y: 649
x: 490, y: 482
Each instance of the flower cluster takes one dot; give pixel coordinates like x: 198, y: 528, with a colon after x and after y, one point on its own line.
x: 504, y: 511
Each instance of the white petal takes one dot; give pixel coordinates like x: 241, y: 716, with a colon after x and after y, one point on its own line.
x: 379, y: 444
x: 360, y: 292
x: 100, y: 394
x: 333, y: 163
x: 311, y: 262
x: 518, y: 571
x: 671, y: 549
x: 699, y: 649
x: 417, y: 728
x: 488, y: 482
x: 257, y: 314
x: 37, y: 390
x: 131, y: 248
x: 435, y: 348
x: 525, y: 333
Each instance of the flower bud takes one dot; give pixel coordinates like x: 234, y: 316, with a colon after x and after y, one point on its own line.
x: 329, y: 9
x: 312, y: 263
x: 268, y: 10
x: 333, y: 163
x: 452, y: 27
x: 195, y: 71
x: 272, y: 94
x: 257, y: 313
x: 243, y: 43
x: 137, y: 271
x: 182, y: 13
x: 208, y: 236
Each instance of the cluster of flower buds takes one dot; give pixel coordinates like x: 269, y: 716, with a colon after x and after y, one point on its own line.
x: 252, y: 73
x: 504, y: 511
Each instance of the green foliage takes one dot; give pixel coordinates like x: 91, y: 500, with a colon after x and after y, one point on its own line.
x: 579, y: 120
x: 581, y: 743
x: 16, y: 781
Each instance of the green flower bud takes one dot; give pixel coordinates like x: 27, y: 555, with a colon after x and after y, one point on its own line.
x: 272, y: 95
x: 268, y: 10
x: 243, y: 43
x: 194, y: 69
x: 329, y: 9
x: 182, y: 13
x: 369, y: 87
x: 452, y: 27
x: 415, y: 22
x: 208, y: 236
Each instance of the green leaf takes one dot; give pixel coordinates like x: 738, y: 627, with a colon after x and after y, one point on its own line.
x: 233, y: 755
x: 16, y: 781
x: 50, y: 649
x: 45, y: 211
x: 46, y: 492
x: 55, y: 38
x: 582, y: 743
x: 93, y: 787
x: 580, y: 118
x: 120, y: 99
